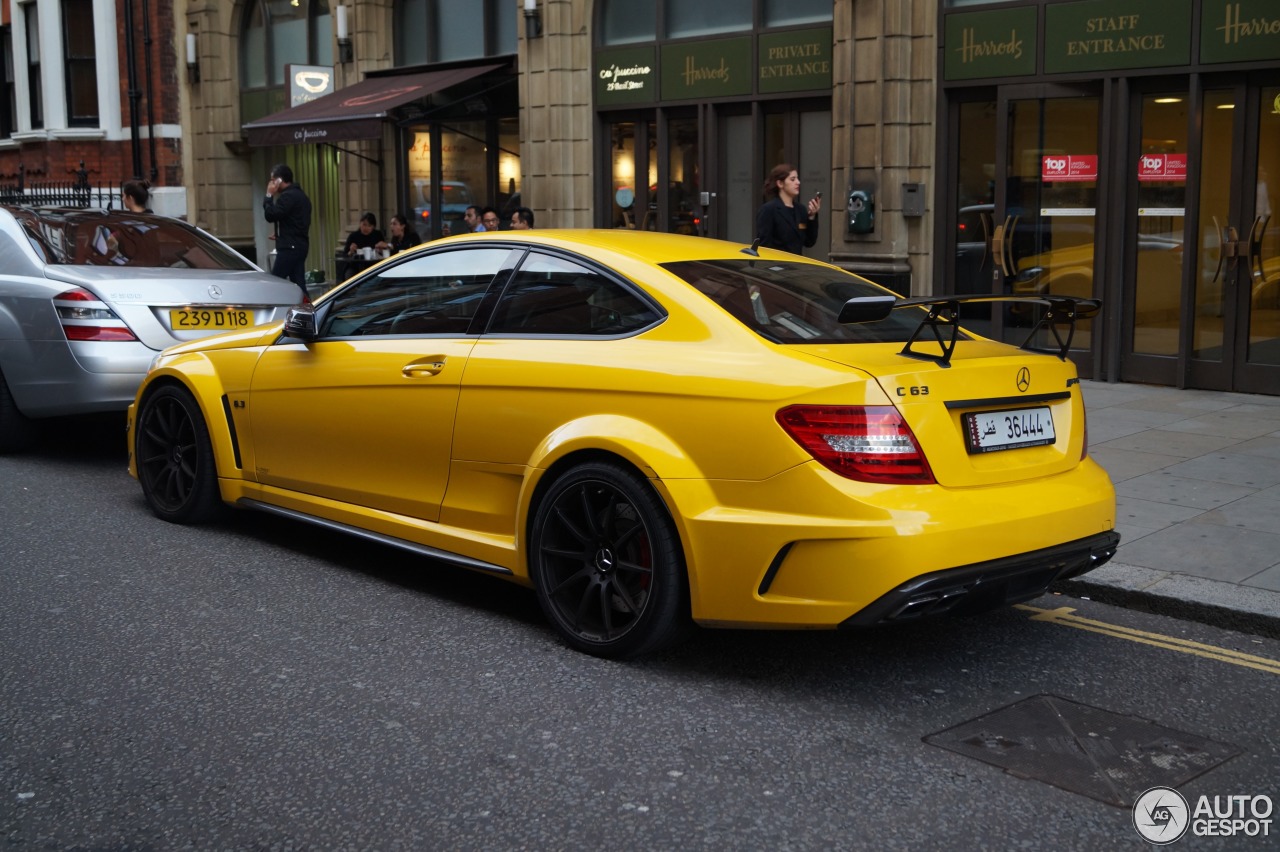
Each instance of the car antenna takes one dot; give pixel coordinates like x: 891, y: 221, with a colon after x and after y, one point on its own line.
x: 753, y: 249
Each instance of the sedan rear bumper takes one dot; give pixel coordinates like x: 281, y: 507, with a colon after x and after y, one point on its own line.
x: 971, y: 589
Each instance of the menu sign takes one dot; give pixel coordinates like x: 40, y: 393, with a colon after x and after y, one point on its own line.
x: 1162, y: 167
x: 1060, y: 167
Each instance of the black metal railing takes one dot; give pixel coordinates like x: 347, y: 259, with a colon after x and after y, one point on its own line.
x: 59, y: 193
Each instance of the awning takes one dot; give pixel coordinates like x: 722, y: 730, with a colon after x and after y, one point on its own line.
x: 355, y: 112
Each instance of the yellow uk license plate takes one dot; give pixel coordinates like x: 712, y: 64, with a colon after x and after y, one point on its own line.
x: 209, y: 319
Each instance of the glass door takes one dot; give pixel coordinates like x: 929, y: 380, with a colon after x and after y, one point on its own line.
x: 1153, y: 240
x: 1257, y: 255
x: 1026, y: 196
x: 1201, y: 271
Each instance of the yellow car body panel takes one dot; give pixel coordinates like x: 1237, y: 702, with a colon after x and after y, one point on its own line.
x: 449, y: 443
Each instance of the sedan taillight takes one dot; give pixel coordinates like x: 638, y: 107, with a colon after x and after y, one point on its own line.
x: 85, y: 317
x: 869, y: 443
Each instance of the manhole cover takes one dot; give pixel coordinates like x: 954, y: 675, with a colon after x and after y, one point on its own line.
x: 1083, y: 749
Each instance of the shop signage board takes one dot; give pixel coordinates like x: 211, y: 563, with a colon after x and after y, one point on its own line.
x: 1069, y: 167
x: 308, y: 82
x: 1000, y: 43
x: 707, y: 69
x: 1098, y: 35
x: 1239, y: 30
x: 795, y: 61
x: 626, y: 75
x: 1162, y: 167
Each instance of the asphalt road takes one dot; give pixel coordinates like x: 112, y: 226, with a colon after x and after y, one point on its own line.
x: 265, y: 685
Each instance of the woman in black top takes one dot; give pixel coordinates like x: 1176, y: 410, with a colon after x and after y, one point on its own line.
x: 781, y: 223
x: 403, y: 236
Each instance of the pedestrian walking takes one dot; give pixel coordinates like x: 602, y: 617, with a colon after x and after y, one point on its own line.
x: 781, y: 222
x: 472, y: 218
x: 135, y: 194
x: 489, y: 219
x: 289, y: 209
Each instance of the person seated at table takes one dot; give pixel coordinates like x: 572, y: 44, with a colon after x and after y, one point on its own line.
x: 366, y: 236
x: 403, y: 236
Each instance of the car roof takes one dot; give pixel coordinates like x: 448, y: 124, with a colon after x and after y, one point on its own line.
x: 647, y: 246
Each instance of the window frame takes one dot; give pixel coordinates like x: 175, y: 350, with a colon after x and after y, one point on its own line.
x: 623, y: 287
x: 79, y: 18
x: 379, y: 282
x: 262, y: 66
x: 9, y: 81
x: 498, y: 30
x: 35, y: 85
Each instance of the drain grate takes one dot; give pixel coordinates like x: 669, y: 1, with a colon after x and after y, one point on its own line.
x: 1083, y: 749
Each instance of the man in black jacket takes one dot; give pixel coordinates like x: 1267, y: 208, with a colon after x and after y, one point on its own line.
x: 289, y: 208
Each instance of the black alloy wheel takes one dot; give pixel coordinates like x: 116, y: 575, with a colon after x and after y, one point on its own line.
x: 607, y: 563
x: 174, y: 458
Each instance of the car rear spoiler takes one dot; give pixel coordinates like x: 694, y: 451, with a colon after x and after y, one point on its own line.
x: 1060, y: 318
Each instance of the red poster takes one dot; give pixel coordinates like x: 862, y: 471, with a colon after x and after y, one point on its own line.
x: 1169, y: 167
x: 1069, y: 167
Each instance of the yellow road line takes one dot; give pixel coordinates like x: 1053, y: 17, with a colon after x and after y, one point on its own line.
x: 1063, y: 615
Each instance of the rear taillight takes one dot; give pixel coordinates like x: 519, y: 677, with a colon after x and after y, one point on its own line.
x: 869, y: 443
x: 85, y: 317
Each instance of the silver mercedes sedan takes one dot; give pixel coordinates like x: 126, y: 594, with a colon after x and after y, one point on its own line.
x: 88, y: 297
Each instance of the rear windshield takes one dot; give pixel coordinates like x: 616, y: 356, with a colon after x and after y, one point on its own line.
x: 120, y: 238
x: 794, y: 303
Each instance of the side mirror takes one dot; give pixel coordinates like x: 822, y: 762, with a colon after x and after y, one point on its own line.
x: 867, y: 309
x: 301, y: 322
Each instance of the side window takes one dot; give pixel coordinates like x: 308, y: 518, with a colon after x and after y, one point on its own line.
x: 433, y: 294
x: 551, y: 295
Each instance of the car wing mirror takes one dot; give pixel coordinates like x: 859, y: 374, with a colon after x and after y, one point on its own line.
x: 867, y: 308
x: 300, y: 322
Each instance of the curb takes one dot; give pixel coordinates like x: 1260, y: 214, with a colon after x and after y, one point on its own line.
x: 1230, y: 606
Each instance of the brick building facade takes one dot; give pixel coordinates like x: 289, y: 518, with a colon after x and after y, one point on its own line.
x: 95, y: 85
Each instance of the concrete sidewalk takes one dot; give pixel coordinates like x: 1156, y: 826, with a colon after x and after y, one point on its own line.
x: 1197, y: 476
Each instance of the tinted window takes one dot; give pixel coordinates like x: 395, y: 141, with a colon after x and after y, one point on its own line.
x: 552, y: 295
x: 120, y: 238
x: 794, y: 303
x: 427, y: 294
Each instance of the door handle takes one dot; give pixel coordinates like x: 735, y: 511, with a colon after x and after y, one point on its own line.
x: 985, y: 219
x: 1222, y: 251
x: 1234, y: 248
x: 997, y: 247
x: 1010, y: 263
x: 430, y: 366
x: 1255, y: 245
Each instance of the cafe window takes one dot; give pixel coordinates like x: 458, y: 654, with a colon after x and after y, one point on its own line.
x: 435, y: 31
x: 276, y: 33
x: 80, y: 63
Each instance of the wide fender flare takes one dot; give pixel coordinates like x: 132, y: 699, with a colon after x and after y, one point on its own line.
x: 651, y: 451
x: 195, y: 372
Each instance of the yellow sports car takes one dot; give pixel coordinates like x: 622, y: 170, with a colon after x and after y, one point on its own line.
x: 651, y: 431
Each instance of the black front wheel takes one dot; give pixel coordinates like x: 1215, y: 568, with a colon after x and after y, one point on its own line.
x: 606, y: 561
x: 175, y: 459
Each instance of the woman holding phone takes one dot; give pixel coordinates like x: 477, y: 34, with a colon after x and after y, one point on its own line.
x: 783, y: 223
